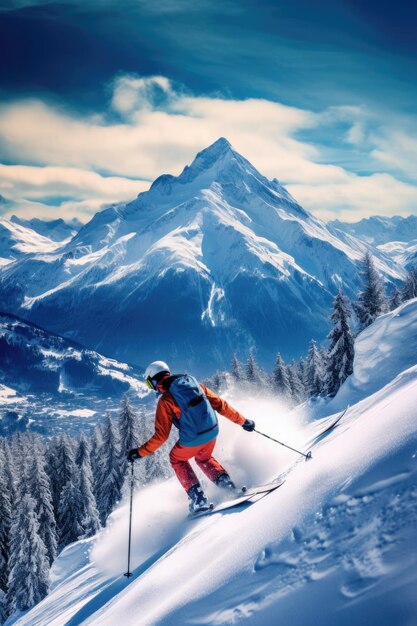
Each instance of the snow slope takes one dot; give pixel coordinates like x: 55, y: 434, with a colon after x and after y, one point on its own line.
x: 402, y: 253
x: 382, y: 351
x: 335, y: 545
x: 18, y: 238
x: 219, y: 257
x: 57, y: 230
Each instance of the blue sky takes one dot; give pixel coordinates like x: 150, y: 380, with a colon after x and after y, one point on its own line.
x: 98, y: 98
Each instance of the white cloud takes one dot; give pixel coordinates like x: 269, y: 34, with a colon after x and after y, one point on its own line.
x: 398, y: 150
x: 355, y: 197
x: 159, y: 129
x: 27, y: 186
x: 132, y: 93
x: 40, y: 182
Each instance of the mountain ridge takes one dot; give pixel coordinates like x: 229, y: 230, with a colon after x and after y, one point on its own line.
x: 214, y: 261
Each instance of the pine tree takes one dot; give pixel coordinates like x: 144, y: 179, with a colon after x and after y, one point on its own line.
x: 5, y: 523
x: 70, y: 514
x: 372, y: 301
x: 252, y: 373
x: 280, y: 380
x: 409, y: 291
x: 90, y: 519
x: 128, y: 433
x: 39, y: 488
x: 19, y: 443
x: 9, y: 470
x: 296, y: 384
x: 60, y: 467
x: 237, y: 373
x: 22, y: 475
x: 341, y: 349
x: 301, y: 366
x: 112, y: 478
x: 29, y: 566
x: 82, y: 451
x: 3, y: 606
x: 96, y: 461
x: 395, y: 299
x: 314, y: 371
x: 217, y: 381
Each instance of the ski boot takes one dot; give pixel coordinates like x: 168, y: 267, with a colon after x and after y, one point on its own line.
x: 225, y: 482
x: 198, y: 501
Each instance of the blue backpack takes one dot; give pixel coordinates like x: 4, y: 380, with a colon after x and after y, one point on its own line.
x: 198, y: 423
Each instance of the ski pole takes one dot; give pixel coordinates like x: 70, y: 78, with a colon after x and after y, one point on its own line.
x: 129, y: 573
x: 307, y: 456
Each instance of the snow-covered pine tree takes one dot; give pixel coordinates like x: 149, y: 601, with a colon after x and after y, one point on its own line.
x: 217, y: 381
x: 5, y: 522
x: 22, y: 441
x: 236, y: 372
x: 29, y: 566
x: 3, y: 606
x: 39, y: 488
x: 82, y: 451
x: 395, y: 298
x: 280, y: 380
x: 70, y: 514
x: 18, y: 443
x: 301, y: 366
x: 409, y: 291
x: 314, y: 371
x: 9, y: 472
x: 90, y: 518
x: 111, y: 477
x: 60, y: 467
x: 96, y: 460
x: 341, y: 349
x: 252, y: 371
x: 296, y: 384
x: 372, y: 300
x: 128, y: 433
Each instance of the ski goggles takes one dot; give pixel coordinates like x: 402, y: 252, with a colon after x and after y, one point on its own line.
x: 151, y: 384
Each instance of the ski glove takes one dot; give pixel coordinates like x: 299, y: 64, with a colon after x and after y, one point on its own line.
x: 249, y: 425
x: 133, y: 454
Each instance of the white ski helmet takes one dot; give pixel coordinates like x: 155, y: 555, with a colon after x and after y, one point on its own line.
x: 153, y: 369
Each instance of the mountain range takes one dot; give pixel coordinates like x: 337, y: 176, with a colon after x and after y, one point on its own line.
x: 378, y: 230
x: 50, y: 384
x: 19, y: 237
x: 214, y: 261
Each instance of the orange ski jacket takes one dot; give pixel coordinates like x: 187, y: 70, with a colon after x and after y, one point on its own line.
x: 168, y: 409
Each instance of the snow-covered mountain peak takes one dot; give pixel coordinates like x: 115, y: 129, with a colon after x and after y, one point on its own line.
x: 57, y: 230
x: 219, y: 168
x: 221, y: 163
x: 218, y: 152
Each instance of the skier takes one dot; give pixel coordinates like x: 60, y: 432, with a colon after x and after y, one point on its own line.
x: 191, y: 407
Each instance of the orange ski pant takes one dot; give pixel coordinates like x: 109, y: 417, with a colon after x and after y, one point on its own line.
x: 180, y: 456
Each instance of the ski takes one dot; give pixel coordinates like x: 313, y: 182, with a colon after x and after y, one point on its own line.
x: 331, y: 426
x: 243, y: 496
